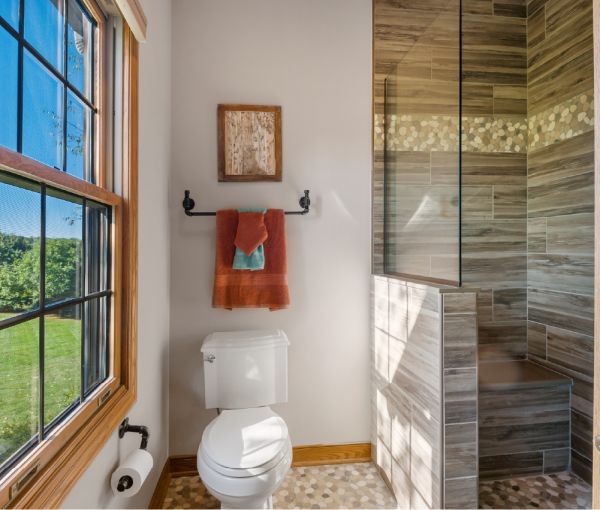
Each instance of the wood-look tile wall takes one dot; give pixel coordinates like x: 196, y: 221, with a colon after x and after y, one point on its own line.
x: 524, y: 430
x: 494, y: 218
x: 461, y: 473
x: 407, y: 390
x: 416, y: 49
x: 560, y: 207
x: 424, y: 394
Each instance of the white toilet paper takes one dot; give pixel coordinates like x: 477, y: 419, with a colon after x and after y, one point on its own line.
x: 137, y: 465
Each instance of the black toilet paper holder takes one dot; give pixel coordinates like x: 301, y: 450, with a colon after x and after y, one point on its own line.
x: 138, y: 429
x: 125, y: 482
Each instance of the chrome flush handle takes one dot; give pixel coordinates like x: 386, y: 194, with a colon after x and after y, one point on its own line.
x: 209, y: 358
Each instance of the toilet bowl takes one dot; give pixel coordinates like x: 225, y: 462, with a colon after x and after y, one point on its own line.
x: 245, y: 452
x: 244, y: 456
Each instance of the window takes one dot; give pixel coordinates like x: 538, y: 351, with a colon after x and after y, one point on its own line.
x: 67, y: 242
x: 48, y: 56
x: 54, y: 321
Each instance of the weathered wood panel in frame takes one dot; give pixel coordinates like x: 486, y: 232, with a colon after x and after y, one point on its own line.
x: 249, y: 143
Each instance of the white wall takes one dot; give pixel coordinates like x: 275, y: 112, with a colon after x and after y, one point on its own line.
x: 312, y: 57
x: 92, y: 490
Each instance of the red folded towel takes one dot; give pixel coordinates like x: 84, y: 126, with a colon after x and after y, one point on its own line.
x: 267, y: 288
x: 251, y: 231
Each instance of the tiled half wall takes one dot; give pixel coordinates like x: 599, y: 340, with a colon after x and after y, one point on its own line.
x: 424, y: 394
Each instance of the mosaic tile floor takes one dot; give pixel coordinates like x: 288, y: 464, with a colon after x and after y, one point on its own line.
x: 559, y: 490
x: 341, y: 486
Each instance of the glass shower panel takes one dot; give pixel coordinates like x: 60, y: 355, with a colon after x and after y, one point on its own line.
x: 421, y: 141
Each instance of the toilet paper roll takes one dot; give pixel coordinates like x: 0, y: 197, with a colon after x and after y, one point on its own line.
x: 137, y: 466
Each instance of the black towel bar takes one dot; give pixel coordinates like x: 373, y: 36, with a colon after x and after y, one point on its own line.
x: 189, y: 204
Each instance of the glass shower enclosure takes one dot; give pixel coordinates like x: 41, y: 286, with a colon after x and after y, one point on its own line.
x: 421, y: 139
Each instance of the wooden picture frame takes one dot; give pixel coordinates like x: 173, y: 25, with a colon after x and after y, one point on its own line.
x: 249, y: 143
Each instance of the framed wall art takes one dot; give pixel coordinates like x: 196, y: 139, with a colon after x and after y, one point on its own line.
x: 249, y: 139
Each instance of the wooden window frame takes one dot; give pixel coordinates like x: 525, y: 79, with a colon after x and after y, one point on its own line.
x: 44, y: 477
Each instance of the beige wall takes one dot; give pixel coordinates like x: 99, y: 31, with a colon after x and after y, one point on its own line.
x: 314, y: 59
x: 151, y: 409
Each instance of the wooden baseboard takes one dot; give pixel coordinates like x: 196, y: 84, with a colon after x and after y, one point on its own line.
x: 313, y: 455
x: 183, y: 465
x: 160, y: 491
x: 317, y: 455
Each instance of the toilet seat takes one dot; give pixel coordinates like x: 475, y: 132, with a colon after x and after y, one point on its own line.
x: 244, y: 491
x: 243, y: 443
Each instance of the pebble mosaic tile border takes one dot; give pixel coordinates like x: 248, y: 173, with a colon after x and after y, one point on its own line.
x: 434, y: 133
x: 329, y: 486
x: 440, y: 133
x: 418, y: 133
x: 558, y: 490
x: 567, y: 120
x: 494, y: 134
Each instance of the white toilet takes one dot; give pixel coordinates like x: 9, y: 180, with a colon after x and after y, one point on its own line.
x: 245, y: 451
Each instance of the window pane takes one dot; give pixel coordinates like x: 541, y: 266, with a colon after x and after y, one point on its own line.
x: 79, y: 146
x: 97, y: 225
x: 8, y: 89
x: 9, y: 10
x: 62, y: 361
x: 64, y: 246
x: 79, y: 49
x: 42, y: 114
x: 95, y: 346
x: 20, y: 210
x: 19, y: 386
x: 44, y: 29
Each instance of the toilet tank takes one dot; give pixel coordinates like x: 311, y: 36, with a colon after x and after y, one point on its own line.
x: 245, y: 369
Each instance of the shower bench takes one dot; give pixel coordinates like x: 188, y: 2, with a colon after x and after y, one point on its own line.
x: 524, y: 420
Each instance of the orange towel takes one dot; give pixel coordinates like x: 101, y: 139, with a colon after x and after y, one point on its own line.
x: 267, y: 288
x: 251, y: 231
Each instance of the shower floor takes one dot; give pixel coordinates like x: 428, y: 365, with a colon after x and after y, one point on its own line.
x: 558, y: 490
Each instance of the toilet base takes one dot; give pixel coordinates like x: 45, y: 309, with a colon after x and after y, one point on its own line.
x: 266, y: 504
x: 247, y: 491
x: 231, y: 503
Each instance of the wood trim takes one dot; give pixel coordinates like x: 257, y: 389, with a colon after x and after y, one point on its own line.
x: 54, y: 482
x: 310, y: 455
x: 183, y: 465
x: 129, y: 260
x: 160, y: 491
x: 58, y: 438
x: 134, y: 16
x: 93, y: 425
x: 596, y: 420
x: 29, y: 168
x: 221, y: 110
x: 317, y: 455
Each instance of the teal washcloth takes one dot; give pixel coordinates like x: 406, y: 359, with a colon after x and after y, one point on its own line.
x: 256, y: 260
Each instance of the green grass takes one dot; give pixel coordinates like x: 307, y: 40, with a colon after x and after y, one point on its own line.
x: 19, y: 369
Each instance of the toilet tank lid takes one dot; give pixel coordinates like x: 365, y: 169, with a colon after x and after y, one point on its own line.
x: 245, y: 339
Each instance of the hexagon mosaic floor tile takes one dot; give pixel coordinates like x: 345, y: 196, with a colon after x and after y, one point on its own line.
x: 330, y: 486
x: 558, y: 490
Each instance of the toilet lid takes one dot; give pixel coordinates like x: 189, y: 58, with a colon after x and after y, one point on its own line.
x: 245, y: 438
